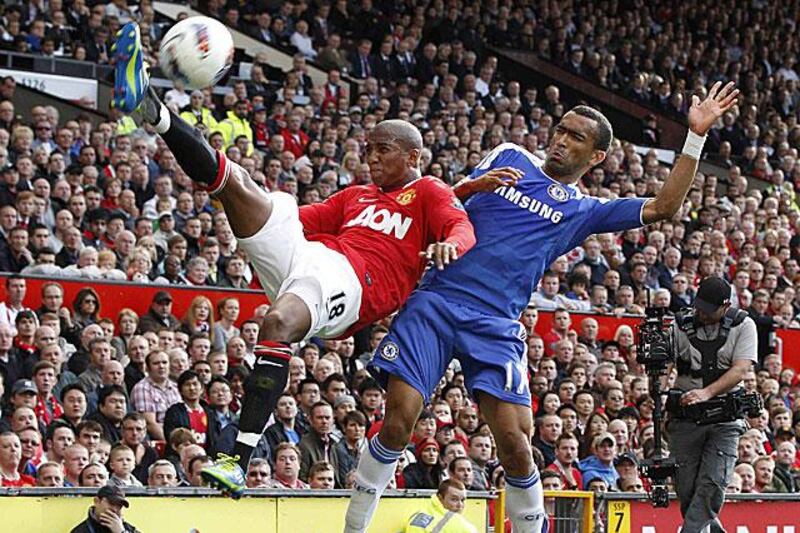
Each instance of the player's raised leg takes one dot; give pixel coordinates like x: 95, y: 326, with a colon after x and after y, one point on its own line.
x: 249, y: 209
x: 248, y: 206
x: 512, y: 427
x: 377, y: 465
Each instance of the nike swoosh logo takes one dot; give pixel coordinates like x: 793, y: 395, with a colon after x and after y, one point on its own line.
x: 367, y: 200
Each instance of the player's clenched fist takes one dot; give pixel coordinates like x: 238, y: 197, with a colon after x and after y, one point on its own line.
x: 441, y: 253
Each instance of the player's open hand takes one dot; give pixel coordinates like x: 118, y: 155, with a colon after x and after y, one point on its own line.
x: 703, y: 114
x: 495, y: 178
x: 441, y: 253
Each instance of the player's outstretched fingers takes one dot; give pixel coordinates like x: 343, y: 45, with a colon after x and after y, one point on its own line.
x: 725, y: 91
x: 712, y: 94
x: 452, y: 253
x: 439, y: 256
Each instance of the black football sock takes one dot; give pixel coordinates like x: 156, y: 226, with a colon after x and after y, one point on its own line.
x: 192, y: 152
x: 263, y: 387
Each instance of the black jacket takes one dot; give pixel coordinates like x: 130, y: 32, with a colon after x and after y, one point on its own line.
x: 153, y: 322
x: 417, y: 476
x: 111, y: 433
x: 177, y: 416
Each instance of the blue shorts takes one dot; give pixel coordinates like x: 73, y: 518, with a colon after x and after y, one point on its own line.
x: 430, y: 330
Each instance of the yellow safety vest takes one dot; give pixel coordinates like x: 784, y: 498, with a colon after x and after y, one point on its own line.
x: 232, y: 127
x: 205, y: 113
x: 434, y: 518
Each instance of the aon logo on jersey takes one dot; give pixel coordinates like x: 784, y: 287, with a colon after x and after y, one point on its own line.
x: 382, y: 220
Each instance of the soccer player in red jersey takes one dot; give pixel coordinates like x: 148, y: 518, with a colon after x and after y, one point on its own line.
x: 331, y: 268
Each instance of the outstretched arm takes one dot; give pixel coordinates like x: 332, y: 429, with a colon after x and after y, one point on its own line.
x: 702, y: 116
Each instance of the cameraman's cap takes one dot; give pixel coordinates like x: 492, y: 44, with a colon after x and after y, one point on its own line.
x: 713, y: 293
x: 114, y: 495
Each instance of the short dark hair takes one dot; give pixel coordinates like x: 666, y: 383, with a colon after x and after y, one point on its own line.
x: 603, y: 132
x: 307, y: 381
x: 54, y: 426
x: 330, y: 379
x: 356, y: 417
x: 108, y: 390
x: 369, y: 384
x: 71, y: 387
x: 136, y: 416
x: 89, y: 425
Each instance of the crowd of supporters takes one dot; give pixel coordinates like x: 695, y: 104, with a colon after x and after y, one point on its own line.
x: 149, y: 400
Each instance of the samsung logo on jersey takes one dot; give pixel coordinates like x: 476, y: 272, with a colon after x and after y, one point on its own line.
x: 526, y: 202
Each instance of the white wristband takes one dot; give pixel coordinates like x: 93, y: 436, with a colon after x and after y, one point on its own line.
x: 693, y: 146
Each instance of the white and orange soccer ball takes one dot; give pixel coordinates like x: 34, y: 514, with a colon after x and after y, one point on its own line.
x: 197, y: 51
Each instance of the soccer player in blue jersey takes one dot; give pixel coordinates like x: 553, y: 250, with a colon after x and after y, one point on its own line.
x: 470, y: 309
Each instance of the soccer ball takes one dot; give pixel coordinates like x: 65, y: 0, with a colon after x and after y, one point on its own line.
x: 197, y: 51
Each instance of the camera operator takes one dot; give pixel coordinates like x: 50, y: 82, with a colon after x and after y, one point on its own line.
x: 715, y: 347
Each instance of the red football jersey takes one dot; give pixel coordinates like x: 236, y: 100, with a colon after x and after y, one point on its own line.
x: 382, y: 232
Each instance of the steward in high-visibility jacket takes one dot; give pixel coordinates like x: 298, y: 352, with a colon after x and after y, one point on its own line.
x: 235, y: 125
x: 442, y: 512
x: 196, y: 112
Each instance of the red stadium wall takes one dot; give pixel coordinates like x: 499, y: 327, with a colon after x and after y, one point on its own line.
x: 116, y: 296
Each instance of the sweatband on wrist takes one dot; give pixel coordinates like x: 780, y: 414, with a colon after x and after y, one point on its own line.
x: 693, y: 147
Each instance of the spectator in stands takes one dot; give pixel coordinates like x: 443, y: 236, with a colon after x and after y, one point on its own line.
x: 259, y: 475
x: 10, y: 457
x: 15, y: 293
x: 134, y: 433
x: 159, y: 315
x: 121, y: 463
x: 425, y: 473
x: 321, y: 475
x: 196, y: 465
x: 47, y: 407
x: 50, y: 475
x: 284, y: 428
x: 162, y: 474
x: 112, y: 404
x: 318, y: 443
x: 100, y: 352
x: 287, y: 467
x: 600, y: 464
x: 349, y: 449
x: 94, y: 475
x: 765, y: 480
x: 153, y: 395
x: 76, y: 457
x: 191, y: 413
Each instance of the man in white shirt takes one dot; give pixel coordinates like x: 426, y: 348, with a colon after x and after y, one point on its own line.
x: 15, y: 293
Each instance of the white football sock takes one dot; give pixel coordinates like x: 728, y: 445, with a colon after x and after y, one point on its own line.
x: 525, y: 504
x: 375, y: 469
x: 164, y: 119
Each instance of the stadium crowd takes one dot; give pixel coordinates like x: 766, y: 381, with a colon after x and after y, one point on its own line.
x: 148, y: 400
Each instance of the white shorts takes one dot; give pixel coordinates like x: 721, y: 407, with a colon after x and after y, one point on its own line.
x: 286, y: 262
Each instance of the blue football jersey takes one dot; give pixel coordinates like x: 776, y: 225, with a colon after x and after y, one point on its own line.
x: 520, y: 231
